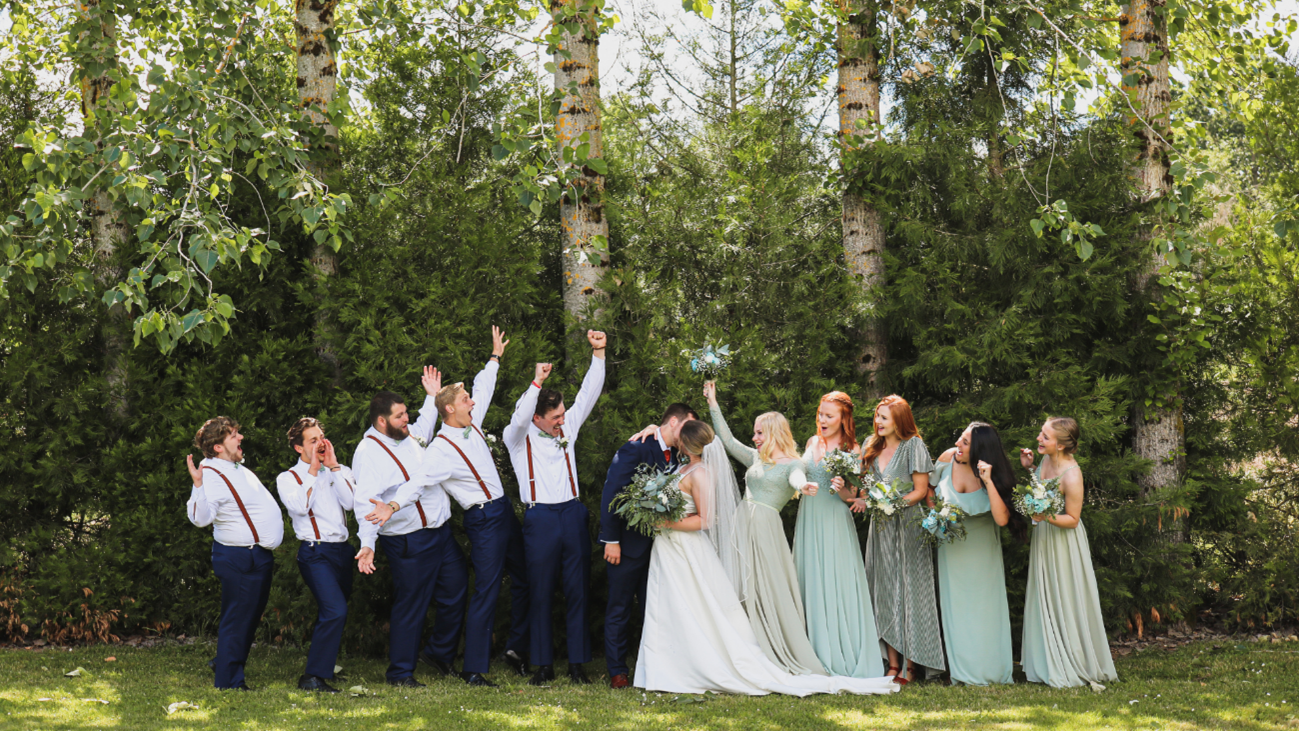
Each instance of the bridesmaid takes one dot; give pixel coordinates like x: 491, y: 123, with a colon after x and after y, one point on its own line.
x: 1064, y: 635
x: 836, y: 597
x: 899, y: 565
x: 971, y: 575
x: 769, y: 589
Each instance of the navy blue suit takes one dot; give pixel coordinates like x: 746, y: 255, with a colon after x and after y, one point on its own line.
x: 628, y: 578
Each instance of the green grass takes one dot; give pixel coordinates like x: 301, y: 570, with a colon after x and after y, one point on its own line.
x: 1227, y: 685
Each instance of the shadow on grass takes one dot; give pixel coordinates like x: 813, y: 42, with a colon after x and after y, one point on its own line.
x: 1197, y: 688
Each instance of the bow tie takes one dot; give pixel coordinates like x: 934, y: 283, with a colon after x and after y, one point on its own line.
x: 468, y: 430
x: 547, y: 435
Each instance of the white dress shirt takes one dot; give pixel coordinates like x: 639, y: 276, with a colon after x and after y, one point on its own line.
x: 377, y: 475
x: 551, y: 476
x: 214, y: 503
x: 444, y: 468
x: 320, y: 515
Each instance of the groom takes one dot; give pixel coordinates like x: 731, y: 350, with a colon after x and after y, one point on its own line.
x: 628, y: 551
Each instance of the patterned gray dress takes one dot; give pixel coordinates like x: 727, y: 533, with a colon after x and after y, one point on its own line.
x: 900, y: 568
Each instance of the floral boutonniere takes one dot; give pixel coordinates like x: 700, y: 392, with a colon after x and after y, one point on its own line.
x: 423, y: 444
x: 561, y: 442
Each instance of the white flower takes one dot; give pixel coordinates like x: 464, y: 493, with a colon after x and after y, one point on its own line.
x: 946, y: 511
x: 1039, y: 493
x: 888, y: 508
x: 663, y: 498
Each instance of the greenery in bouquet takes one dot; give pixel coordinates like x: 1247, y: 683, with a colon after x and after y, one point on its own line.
x: 843, y: 464
x: 942, y: 523
x: 652, y: 500
x: 709, y: 361
x: 1039, y: 497
x: 885, y: 501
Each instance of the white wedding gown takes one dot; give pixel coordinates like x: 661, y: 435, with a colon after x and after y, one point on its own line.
x: 697, y: 636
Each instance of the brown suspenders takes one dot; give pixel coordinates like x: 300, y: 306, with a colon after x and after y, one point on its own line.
x: 405, y: 475
x: 532, y: 478
x: 310, y: 513
x: 465, y: 457
x: 238, y: 501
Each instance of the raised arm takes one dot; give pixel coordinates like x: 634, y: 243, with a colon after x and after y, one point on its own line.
x: 426, y: 425
x: 485, y: 381
x: 592, y: 384
x: 743, y: 454
x: 525, y: 407
x: 197, y: 508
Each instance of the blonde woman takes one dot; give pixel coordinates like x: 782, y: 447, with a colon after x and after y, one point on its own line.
x: 1065, y: 645
x: 767, y: 580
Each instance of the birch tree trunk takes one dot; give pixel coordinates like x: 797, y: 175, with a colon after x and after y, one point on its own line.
x: 1159, y: 434
x: 585, y: 229
x: 107, y: 230
x: 317, y: 86
x: 863, y: 229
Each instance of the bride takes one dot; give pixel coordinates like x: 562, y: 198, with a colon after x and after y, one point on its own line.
x: 697, y: 636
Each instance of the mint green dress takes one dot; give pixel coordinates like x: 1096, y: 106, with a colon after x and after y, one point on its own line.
x: 836, y: 597
x: 900, y: 567
x: 1064, y: 645
x: 769, y: 588
x: 972, y: 591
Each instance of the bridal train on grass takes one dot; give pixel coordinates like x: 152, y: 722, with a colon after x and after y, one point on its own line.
x: 697, y: 636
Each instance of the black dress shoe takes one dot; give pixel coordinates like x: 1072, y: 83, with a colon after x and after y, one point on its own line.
x: 478, y: 680
x: 516, y: 663
x: 407, y: 683
x: 544, y: 674
x: 577, y: 674
x: 241, y: 686
x: 311, y: 682
x: 439, y: 667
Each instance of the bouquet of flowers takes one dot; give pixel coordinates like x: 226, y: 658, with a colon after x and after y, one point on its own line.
x: 708, y: 360
x: 652, y: 499
x: 843, y: 464
x: 943, y: 523
x: 885, y: 501
x: 1039, y: 497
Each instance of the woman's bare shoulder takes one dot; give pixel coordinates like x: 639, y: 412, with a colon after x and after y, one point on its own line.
x: 948, y: 455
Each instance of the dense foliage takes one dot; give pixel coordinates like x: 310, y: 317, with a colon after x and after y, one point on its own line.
x: 724, y: 229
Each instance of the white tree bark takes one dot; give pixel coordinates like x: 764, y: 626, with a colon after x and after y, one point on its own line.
x: 577, y: 78
x: 863, y: 229
x: 107, y: 230
x: 1159, y: 433
x: 317, y: 87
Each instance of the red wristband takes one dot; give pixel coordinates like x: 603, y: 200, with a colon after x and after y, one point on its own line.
x: 538, y: 385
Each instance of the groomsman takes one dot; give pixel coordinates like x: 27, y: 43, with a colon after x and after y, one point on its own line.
x: 541, y: 438
x: 460, y: 462
x: 247, y: 526
x: 426, y: 562
x: 317, y: 491
x: 627, y: 551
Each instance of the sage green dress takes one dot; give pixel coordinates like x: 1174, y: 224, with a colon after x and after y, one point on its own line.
x: 769, y: 588
x: 1064, y: 633
x: 836, y: 597
x: 900, y: 567
x: 972, y: 591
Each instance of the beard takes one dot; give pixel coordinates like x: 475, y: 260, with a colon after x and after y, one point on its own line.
x: 397, y: 433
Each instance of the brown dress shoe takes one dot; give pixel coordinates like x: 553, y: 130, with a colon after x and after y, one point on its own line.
x: 619, y: 681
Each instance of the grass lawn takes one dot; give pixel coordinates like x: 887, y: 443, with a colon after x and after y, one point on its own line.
x: 1227, y: 684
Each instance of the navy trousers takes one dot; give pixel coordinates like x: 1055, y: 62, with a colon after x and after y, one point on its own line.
x: 495, y: 546
x: 557, y: 544
x: 626, y: 608
x: 245, y: 576
x: 427, y: 565
x: 327, y: 570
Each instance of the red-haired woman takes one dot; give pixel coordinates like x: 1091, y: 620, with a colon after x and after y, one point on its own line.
x: 899, y: 565
x: 836, y: 597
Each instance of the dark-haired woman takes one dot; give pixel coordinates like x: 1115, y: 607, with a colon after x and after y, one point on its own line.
x: 1064, y: 634
x: 976, y: 476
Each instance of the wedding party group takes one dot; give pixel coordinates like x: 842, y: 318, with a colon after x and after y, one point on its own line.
x: 702, y: 580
